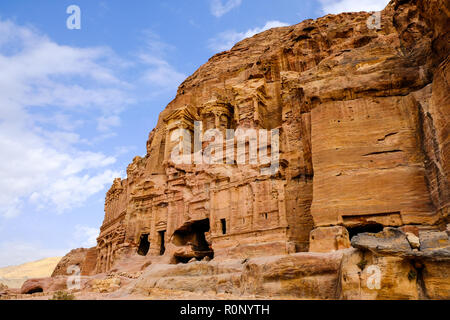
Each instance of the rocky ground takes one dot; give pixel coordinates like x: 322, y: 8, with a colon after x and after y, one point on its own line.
x: 391, y: 264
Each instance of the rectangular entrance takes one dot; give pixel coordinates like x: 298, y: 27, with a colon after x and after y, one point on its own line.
x: 161, y: 241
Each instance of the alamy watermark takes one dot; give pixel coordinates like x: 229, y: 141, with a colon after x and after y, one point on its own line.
x: 231, y: 149
x: 374, y: 278
x: 74, y: 280
x: 74, y: 20
x: 374, y: 21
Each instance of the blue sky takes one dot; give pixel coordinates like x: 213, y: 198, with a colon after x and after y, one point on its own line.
x: 77, y: 105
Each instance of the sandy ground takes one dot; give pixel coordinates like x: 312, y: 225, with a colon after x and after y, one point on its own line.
x: 15, y: 276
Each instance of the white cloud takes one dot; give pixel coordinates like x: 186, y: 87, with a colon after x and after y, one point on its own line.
x: 41, y: 164
x: 221, y: 7
x: 15, y: 253
x: 106, y: 122
x: 86, y: 236
x: 338, y: 6
x: 226, y: 40
x: 158, y: 72
x: 49, y: 94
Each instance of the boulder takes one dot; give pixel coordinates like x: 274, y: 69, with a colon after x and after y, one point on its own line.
x: 74, y: 258
x: 44, y: 285
x: 326, y: 239
x: 413, y: 240
x: 431, y: 240
x: 390, y: 240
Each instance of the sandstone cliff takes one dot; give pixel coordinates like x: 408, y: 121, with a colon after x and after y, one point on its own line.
x: 363, y: 120
x: 363, y: 115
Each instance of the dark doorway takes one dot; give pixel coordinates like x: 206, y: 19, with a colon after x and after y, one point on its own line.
x: 192, y: 235
x: 223, y: 222
x: 161, y: 241
x: 370, y: 228
x: 35, y: 290
x: 144, y: 245
x: 182, y: 259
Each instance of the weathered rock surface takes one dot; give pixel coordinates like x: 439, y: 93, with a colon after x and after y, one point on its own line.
x: 3, y: 289
x: 299, y: 275
x: 84, y: 259
x: 44, y: 285
x: 89, y: 263
x: 390, y: 240
x: 363, y: 120
x: 367, y: 276
x: 431, y: 240
x: 326, y: 239
x: 371, y: 275
x: 402, y: 271
x: 105, y: 285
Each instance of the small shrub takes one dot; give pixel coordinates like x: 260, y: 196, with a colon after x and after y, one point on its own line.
x: 62, y: 295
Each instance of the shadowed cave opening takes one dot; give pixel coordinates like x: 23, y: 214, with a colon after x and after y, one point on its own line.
x: 223, y: 223
x: 369, y: 228
x: 35, y: 290
x: 144, y: 245
x: 162, y: 245
x: 192, y: 237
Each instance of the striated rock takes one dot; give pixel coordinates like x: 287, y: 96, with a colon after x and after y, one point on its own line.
x: 410, y: 229
x: 223, y: 276
x: 390, y: 240
x: 75, y: 257
x: 300, y: 275
x: 53, y: 284
x: 363, y: 120
x: 44, y: 285
x: 430, y: 240
x: 357, y: 149
x: 326, y: 239
x: 367, y: 276
x: 131, y: 263
x: 436, y: 279
x: 90, y: 261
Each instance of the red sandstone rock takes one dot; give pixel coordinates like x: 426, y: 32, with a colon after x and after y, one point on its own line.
x: 44, y: 285
x: 326, y: 239
x: 363, y: 116
x: 90, y: 261
x: 75, y: 257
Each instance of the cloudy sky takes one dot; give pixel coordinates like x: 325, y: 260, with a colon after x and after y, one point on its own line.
x: 77, y: 105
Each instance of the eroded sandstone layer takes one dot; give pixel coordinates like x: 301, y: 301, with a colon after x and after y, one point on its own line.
x: 363, y: 115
